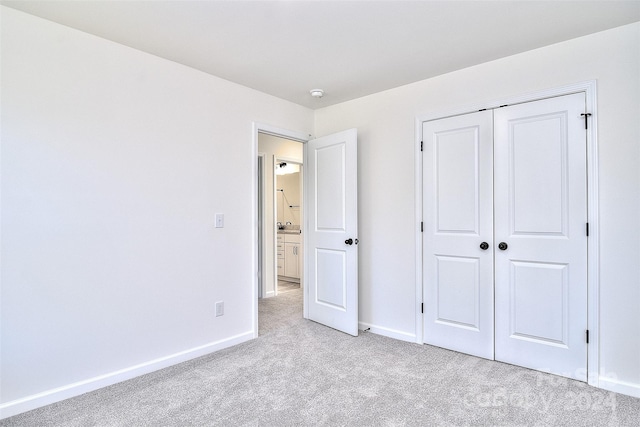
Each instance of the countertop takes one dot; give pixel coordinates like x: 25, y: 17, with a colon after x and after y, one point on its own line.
x: 289, y: 231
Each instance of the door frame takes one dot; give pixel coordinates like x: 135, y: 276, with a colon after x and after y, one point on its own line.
x: 260, y: 230
x: 255, y: 253
x: 589, y: 88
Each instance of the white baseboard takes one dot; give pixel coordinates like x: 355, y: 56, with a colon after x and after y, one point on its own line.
x: 387, y: 332
x: 622, y: 387
x: 48, y: 397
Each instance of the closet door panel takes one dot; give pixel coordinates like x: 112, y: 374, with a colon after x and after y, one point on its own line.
x: 458, y: 213
x: 540, y: 218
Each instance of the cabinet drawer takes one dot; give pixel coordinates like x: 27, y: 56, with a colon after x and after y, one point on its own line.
x: 292, y: 238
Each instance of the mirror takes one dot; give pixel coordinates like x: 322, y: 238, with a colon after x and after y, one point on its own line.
x: 288, y: 199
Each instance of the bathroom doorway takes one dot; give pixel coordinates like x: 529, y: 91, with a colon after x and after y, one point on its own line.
x: 288, y: 204
x: 280, y: 215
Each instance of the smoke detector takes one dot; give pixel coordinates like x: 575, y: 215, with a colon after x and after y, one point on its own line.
x: 317, y: 93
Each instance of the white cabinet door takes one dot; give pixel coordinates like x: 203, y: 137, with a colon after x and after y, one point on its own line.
x: 540, y: 218
x: 291, y: 260
x: 332, y: 231
x: 458, y: 213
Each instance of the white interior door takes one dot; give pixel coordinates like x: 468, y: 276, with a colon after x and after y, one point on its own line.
x: 540, y: 223
x: 458, y: 233
x: 516, y: 182
x: 332, y: 229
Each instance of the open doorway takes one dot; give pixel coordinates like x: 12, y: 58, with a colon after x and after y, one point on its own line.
x: 329, y: 276
x: 280, y: 214
x: 288, y: 211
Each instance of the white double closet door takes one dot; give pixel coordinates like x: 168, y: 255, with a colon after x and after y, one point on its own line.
x: 504, y: 242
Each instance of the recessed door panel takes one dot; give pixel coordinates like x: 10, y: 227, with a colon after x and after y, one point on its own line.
x: 330, y: 166
x: 457, y: 187
x: 538, y: 174
x: 458, y: 289
x: 331, y: 278
x: 539, y: 304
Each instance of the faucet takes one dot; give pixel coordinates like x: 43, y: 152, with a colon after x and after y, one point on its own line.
x: 279, y: 224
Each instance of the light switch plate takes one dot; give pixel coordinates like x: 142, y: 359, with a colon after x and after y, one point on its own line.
x: 219, y: 220
x: 219, y: 308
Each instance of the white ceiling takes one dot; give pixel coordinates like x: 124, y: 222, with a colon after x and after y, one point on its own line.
x: 348, y: 48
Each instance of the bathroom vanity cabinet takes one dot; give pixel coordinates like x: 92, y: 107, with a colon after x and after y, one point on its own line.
x: 289, y: 249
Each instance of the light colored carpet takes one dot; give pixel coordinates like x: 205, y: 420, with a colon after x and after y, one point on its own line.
x: 299, y: 373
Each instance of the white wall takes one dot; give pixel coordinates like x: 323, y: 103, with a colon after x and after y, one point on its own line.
x: 385, y: 123
x: 113, y: 165
x: 273, y: 147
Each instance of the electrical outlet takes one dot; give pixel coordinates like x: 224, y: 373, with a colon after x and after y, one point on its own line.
x: 219, y: 308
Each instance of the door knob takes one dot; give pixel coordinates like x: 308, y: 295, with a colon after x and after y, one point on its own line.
x: 503, y: 246
x: 484, y: 246
x: 349, y: 241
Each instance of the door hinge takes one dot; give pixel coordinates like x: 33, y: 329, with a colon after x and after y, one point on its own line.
x: 587, y: 229
x: 421, y: 142
x: 586, y: 119
x: 422, y: 308
x: 587, y: 336
x: 422, y: 227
